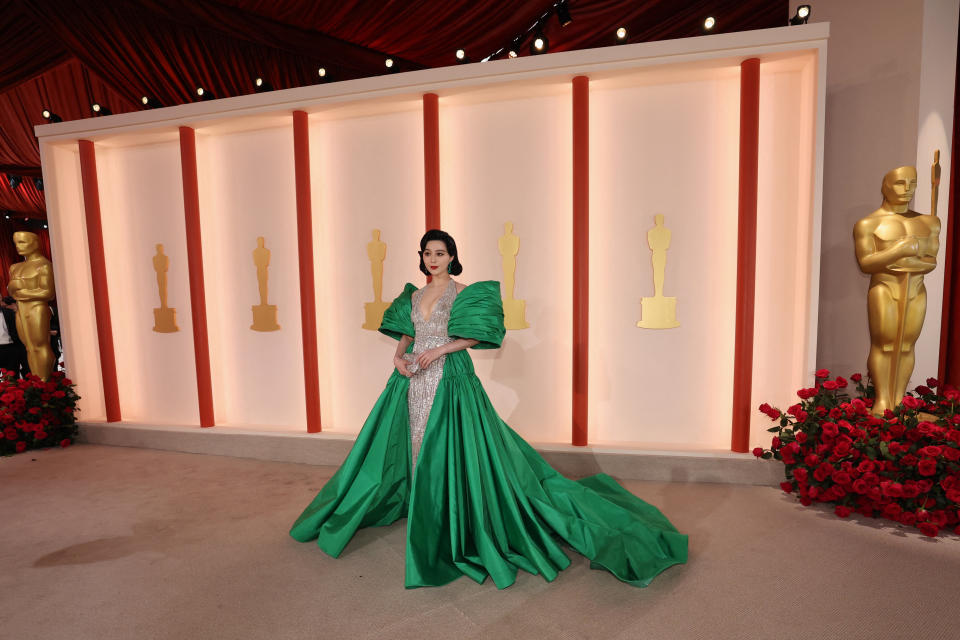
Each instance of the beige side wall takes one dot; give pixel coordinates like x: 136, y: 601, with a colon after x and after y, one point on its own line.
x: 873, y: 82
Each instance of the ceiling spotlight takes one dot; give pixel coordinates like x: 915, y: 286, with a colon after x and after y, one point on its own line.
x: 149, y: 102
x: 709, y: 23
x: 38, y: 183
x: 389, y: 63
x: 622, y: 35
x: 50, y: 116
x: 100, y: 110
x: 512, y: 53
x: 322, y: 72
x: 44, y: 226
x: 462, y: 56
x: 563, y: 13
x: 14, y: 181
x: 540, y: 43
x: 261, y: 85
x: 803, y: 14
x: 203, y: 94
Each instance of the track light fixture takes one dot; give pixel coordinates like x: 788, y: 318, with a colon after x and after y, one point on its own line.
x: 389, y: 63
x: 540, y: 43
x: 462, y: 57
x: 50, y: 116
x: 709, y: 23
x: 100, y: 110
x: 14, y: 181
x: 38, y: 183
x: 260, y: 85
x: 802, y: 15
x: 203, y: 94
x: 563, y: 13
x: 512, y: 54
x: 621, y: 35
x: 322, y: 73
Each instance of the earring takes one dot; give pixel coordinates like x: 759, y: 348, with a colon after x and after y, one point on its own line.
x: 448, y: 267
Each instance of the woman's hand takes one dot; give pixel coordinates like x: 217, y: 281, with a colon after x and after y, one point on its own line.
x: 401, y: 366
x: 428, y: 356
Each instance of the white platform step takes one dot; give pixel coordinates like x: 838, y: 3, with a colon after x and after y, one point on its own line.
x: 332, y: 448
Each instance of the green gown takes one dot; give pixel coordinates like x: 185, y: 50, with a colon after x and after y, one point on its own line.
x: 478, y: 500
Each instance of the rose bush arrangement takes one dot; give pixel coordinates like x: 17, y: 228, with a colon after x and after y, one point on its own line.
x: 35, y: 414
x: 903, y: 466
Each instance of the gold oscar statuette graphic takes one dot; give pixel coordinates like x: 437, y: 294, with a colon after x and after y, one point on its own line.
x: 658, y: 312
x: 897, y: 246
x: 514, y: 311
x: 164, y: 318
x: 373, y: 311
x: 264, y: 315
x: 31, y: 285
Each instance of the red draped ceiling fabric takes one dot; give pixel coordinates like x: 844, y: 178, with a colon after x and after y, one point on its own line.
x: 66, y: 54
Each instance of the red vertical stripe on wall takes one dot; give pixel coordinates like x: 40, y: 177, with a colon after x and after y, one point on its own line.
x: 308, y: 304
x: 949, y: 371
x: 581, y: 256
x: 98, y: 272
x: 746, y: 252
x: 431, y: 159
x: 198, y: 303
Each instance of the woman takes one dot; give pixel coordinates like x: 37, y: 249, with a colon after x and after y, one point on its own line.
x: 478, y: 499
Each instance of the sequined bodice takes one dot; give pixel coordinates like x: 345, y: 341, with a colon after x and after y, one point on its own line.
x: 436, y: 325
x: 430, y: 333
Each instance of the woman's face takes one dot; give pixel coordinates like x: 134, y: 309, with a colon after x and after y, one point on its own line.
x: 436, y: 257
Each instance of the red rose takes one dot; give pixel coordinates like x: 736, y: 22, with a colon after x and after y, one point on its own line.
x: 928, y: 529
x: 908, y: 460
x: 933, y: 383
x: 951, y: 395
x: 775, y: 443
x: 860, y: 486
x: 830, y: 429
x: 65, y: 443
x: 801, y: 436
x: 830, y: 385
x: 787, y: 487
x: 40, y: 435
x: 922, y: 390
x: 822, y: 373
x: 811, y: 459
x: 842, y: 511
x: 892, y: 511
x: 891, y: 489
x: 911, y: 403
x: 950, y: 453
x: 801, y: 475
x: 931, y: 451
x: 758, y: 452
x: 856, y: 377
x: 842, y: 477
x: 866, y: 466
x: 22, y: 446
x: 805, y: 501
x: 841, y: 382
x: 908, y: 518
x: 927, y: 467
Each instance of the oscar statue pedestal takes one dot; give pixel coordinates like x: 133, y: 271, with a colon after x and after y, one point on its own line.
x: 265, y: 317
x: 514, y: 314
x: 658, y: 313
x: 165, y: 320
x: 373, y: 312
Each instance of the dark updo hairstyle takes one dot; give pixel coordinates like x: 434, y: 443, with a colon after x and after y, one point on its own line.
x: 436, y: 234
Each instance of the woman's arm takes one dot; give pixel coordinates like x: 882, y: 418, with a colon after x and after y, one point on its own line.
x: 430, y: 355
x: 398, y: 361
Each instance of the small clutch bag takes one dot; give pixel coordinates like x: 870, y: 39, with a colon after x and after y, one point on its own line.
x: 412, y: 366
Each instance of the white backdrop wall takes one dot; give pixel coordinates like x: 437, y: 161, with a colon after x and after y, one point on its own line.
x: 509, y: 160
x: 246, y: 183
x: 664, y: 140
x: 366, y: 173
x: 141, y: 205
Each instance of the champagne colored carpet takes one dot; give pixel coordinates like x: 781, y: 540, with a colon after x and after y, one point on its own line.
x: 120, y: 543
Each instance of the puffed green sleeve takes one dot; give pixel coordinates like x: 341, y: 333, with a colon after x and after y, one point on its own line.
x: 396, y: 319
x: 477, y: 313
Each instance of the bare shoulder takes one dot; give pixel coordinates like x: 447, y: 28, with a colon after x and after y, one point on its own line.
x: 460, y: 286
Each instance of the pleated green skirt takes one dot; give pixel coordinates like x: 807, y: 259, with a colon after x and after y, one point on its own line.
x: 481, y: 502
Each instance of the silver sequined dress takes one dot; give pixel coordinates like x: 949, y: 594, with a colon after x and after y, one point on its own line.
x: 430, y: 333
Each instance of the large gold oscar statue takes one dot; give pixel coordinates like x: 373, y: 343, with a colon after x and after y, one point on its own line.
x: 164, y: 318
x: 896, y: 246
x: 514, y: 311
x: 373, y: 311
x: 658, y: 312
x: 31, y: 285
x: 264, y: 315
